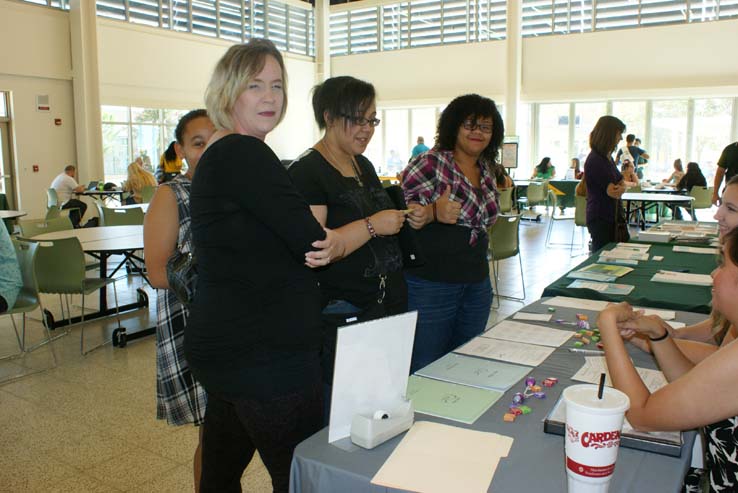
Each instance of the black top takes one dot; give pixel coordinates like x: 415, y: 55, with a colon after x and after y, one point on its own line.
x: 691, y: 180
x: 449, y: 257
x: 356, y: 277
x: 729, y: 160
x: 254, y: 327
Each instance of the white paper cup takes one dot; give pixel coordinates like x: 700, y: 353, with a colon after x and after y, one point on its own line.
x: 592, y: 436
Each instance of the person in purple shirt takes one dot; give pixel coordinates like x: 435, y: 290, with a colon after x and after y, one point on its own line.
x: 605, y: 184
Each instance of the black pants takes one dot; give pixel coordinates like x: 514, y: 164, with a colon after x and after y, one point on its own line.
x: 75, y: 216
x: 236, y: 427
x: 602, y: 233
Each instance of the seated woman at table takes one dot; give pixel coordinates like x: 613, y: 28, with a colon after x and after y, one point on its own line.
x: 179, y: 398
x: 698, y: 394
x: 544, y: 170
x: 676, y: 175
x: 574, y: 172
x: 253, y: 336
x: 170, y: 164
x: 502, y: 178
x: 451, y: 191
x: 605, y: 184
x: 692, y: 178
x: 345, y: 194
x: 629, y: 174
x: 138, y: 178
x: 10, y: 276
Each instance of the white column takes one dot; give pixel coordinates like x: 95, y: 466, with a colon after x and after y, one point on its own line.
x: 514, y: 65
x: 322, y: 40
x: 86, y: 86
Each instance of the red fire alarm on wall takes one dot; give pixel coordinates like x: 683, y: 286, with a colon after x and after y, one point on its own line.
x: 35, y: 168
x: 57, y: 122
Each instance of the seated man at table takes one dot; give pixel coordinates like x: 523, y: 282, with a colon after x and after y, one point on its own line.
x: 65, y: 185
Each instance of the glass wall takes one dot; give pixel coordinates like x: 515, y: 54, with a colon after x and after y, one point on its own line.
x: 129, y: 133
x: 668, y: 140
x: 586, y: 117
x: 712, y: 123
x: 553, y: 142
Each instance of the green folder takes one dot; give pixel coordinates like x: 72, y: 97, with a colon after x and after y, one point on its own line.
x: 449, y: 400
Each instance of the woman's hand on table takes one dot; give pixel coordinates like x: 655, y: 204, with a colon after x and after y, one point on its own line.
x: 331, y: 248
x: 651, y: 326
x: 387, y: 222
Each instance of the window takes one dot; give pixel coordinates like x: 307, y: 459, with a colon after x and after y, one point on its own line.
x: 668, y: 138
x: 587, y: 115
x: 423, y: 124
x: 397, y: 140
x: 553, y: 136
x: 129, y: 133
x: 711, y: 132
x: 633, y: 114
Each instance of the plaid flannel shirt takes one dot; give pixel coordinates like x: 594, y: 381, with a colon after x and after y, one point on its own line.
x: 426, y: 177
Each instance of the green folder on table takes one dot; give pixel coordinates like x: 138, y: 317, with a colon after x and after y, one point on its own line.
x: 449, y: 400
x: 475, y: 372
x: 600, y: 272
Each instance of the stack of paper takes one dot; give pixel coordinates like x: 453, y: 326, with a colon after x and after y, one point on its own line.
x: 689, y: 249
x: 597, y: 306
x: 672, y: 277
x: 449, y: 400
x: 603, y: 287
x: 655, y: 236
x: 600, y: 272
x: 625, y: 254
x: 508, y: 330
x: 475, y: 372
x: 438, y: 458
x: 512, y: 352
x: 594, y: 366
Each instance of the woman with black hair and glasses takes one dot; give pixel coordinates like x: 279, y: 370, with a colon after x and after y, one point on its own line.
x: 451, y: 191
x: 344, y: 193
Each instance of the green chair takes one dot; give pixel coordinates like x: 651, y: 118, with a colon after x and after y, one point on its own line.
x: 580, y: 220
x: 147, y: 193
x: 506, y: 203
x: 53, y: 207
x: 553, y: 219
x: 33, y: 227
x: 504, y: 243
x: 702, y: 199
x: 60, y: 269
x: 122, y: 217
x: 28, y: 300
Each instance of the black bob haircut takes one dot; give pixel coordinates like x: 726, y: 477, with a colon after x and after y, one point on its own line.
x: 473, y: 107
x: 341, y: 97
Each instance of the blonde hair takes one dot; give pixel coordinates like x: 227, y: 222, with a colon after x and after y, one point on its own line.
x: 138, y: 178
x: 240, y: 64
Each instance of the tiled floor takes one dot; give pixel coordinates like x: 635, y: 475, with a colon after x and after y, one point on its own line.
x: 88, y: 424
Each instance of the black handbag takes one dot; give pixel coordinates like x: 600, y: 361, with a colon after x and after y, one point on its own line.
x: 182, y: 275
x: 412, y: 255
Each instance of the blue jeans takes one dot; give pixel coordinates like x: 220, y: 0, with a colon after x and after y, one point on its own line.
x: 449, y: 314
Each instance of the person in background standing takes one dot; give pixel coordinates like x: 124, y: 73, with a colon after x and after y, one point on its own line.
x: 65, y: 186
x: 636, y: 152
x: 419, y: 148
x: 179, y: 398
x: 605, y: 184
x: 727, y: 168
x: 452, y: 193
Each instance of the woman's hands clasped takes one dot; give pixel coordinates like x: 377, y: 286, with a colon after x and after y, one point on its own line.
x: 387, y: 222
x: 329, y: 249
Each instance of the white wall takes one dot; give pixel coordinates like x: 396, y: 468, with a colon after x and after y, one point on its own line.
x: 36, y: 60
x: 176, y: 70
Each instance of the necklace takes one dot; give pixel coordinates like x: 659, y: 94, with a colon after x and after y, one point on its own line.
x: 332, y: 157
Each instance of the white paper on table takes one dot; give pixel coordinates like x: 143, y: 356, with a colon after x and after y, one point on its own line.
x: 539, y: 317
x: 594, y: 366
x: 513, y: 352
x: 528, y: 333
x: 702, y: 250
x: 672, y: 277
x: 676, y: 325
x: 624, y: 253
x: 634, y: 246
x: 663, y: 314
x: 436, y: 458
x: 576, y: 303
x: 372, y: 364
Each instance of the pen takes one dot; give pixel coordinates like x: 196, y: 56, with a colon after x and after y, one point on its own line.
x: 595, y: 352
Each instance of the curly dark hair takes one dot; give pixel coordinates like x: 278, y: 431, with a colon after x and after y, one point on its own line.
x: 341, y: 97
x: 473, y: 107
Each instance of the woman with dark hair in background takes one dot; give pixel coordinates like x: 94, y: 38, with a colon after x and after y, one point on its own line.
x: 605, y: 184
x: 544, y: 170
x: 170, y: 164
x: 451, y: 191
x: 179, y: 398
x: 345, y: 194
x: 692, y: 178
x: 253, y: 336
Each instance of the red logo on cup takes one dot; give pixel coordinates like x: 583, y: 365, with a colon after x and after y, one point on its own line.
x: 589, y: 471
x: 572, y: 434
x: 600, y: 439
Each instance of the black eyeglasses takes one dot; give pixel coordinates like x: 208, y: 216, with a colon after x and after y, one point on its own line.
x: 484, y: 127
x: 361, y: 121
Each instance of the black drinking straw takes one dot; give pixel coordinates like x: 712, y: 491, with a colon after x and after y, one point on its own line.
x: 601, y: 388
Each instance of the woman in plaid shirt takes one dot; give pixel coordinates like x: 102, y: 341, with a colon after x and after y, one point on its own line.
x: 452, y: 193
